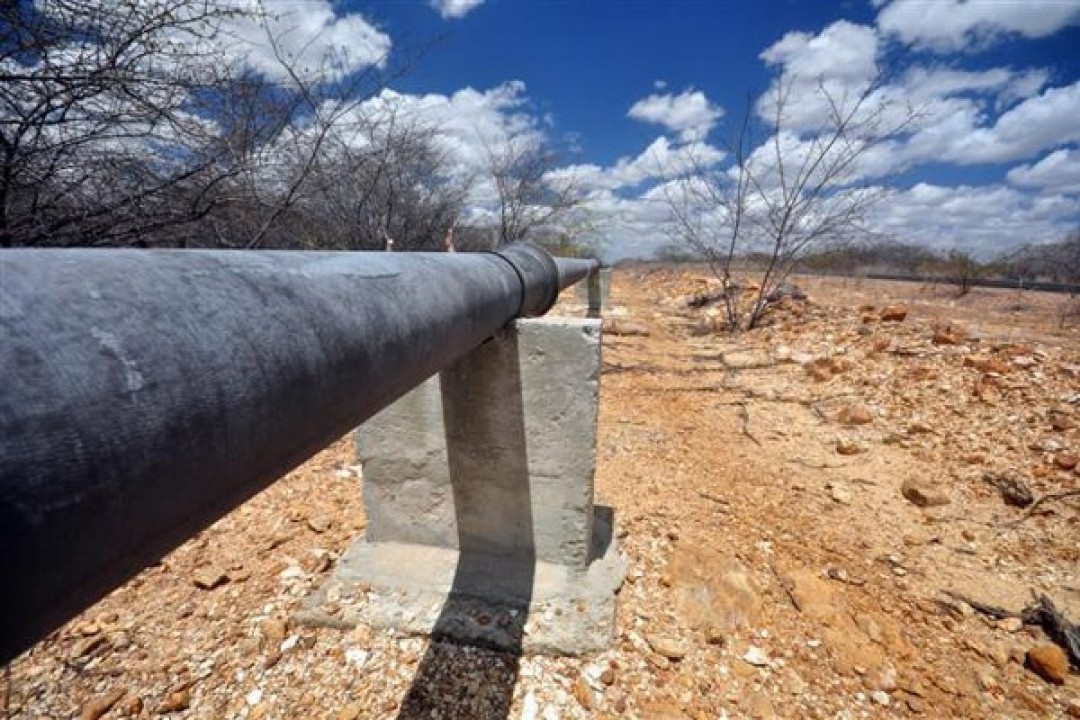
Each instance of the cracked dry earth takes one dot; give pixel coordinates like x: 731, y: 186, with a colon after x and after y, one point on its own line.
x: 810, y: 513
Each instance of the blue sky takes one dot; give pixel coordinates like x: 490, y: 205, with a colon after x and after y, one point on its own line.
x: 625, y: 86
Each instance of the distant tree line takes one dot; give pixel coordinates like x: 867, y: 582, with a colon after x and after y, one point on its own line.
x: 1057, y: 262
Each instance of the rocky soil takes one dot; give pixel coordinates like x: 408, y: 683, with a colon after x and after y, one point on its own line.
x: 816, y: 517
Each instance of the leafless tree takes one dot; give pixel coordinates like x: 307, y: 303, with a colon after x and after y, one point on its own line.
x: 530, y: 199
x: 100, y: 137
x: 961, y: 271
x: 387, y: 180
x: 124, y: 122
x: 785, y: 192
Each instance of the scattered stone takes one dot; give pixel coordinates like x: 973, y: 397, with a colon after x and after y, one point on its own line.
x: 986, y: 364
x: 274, y: 630
x: 760, y: 706
x: 709, y: 587
x: 848, y: 447
x: 530, y: 708
x: 1014, y: 490
x: 625, y: 328
x: 583, y: 693
x: 662, y: 710
x: 894, y: 313
x: 715, y: 635
x: 818, y: 371
x: 1060, y: 420
x: 100, y: 705
x: 89, y: 646
x: 1066, y: 460
x: 919, y: 427
x: 208, y: 578
x: 947, y: 335
x: 921, y: 496
x: 1049, y: 662
x: 607, y: 676
x: 855, y: 415
x: 319, y: 523
x: 880, y: 697
x: 175, y: 701
x: 756, y: 656
x: 669, y: 647
x: 132, y: 706
x: 1031, y: 701
x: 793, y: 684
x: 1011, y: 624
x: 840, y: 494
x: 915, y: 704
x: 812, y: 596
x: 350, y: 712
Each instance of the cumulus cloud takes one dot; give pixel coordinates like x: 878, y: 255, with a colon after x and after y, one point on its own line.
x: 839, y: 64
x: 949, y: 25
x: 468, y: 127
x: 843, y: 50
x: 986, y: 220
x: 1057, y: 172
x: 309, y: 36
x: 923, y: 83
x: 1045, y: 121
x: 690, y: 113
x: 455, y: 9
x: 660, y: 160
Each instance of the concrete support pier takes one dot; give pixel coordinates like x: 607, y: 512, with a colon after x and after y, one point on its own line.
x: 478, y: 489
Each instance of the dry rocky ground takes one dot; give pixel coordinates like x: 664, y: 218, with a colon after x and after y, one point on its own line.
x: 813, y: 515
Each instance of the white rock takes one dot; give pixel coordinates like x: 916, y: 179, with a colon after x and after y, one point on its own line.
x: 357, y: 657
x: 756, y: 657
x: 289, y: 643
x: 529, y: 707
x: 880, y: 697
x: 255, y: 697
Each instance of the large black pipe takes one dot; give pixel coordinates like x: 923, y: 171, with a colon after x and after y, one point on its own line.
x: 146, y: 393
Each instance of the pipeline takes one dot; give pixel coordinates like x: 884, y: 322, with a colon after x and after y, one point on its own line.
x: 148, y: 392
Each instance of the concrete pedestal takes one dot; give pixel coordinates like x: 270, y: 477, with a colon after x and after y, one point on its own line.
x: 478, y: 488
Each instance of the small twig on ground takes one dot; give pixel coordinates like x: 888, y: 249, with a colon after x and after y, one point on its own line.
x: 744, y: 414
x: 716, y: 499
x: 818, y: 466
x: 1042, y: 613
x: 1049, y: 497
x: 788, y: 590
x: 998, y: 613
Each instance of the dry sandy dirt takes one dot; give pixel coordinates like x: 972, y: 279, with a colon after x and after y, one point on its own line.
x: 803, y: 510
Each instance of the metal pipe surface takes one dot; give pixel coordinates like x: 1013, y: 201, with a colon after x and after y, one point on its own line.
x: 572, y: 270
x: 148, y: 392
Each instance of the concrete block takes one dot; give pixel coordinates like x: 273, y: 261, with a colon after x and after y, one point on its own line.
x: 478, y: 487
x: 497, y: 453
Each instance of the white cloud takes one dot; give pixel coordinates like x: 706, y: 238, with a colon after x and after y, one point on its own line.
x: 922, y: 83
x: 838, y: 64
x: 690, y: 113
x: 1045, y: 121
x: 1057, y: 172
x: 986, y: 220
x: 842, y: 51
x: 660, y: 160
x: 455, y: 9
x: 948, y: 25
x: 310, y: 36
x: 468, y: 127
